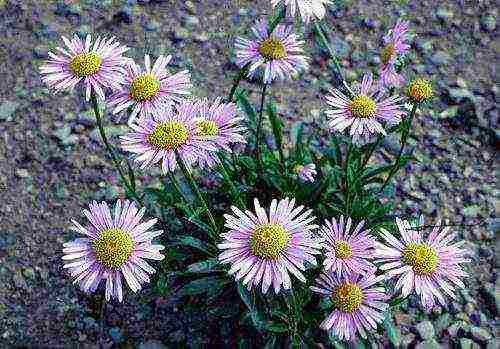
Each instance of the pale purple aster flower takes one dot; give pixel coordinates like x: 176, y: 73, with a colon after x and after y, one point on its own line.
x: 116, y: 245
x: 265, y: 248
x: 394, y: 46
x: 364, y: 112
x: 98, y: 65
x: 306, y: 172
x: 148, y: 89
x: 159, y: 137
x: 306, y: 8
x: 358, y: 303
x: 430, y: 266
x: 219, y: 125
x: 347, y: 252
x: 278, y: 54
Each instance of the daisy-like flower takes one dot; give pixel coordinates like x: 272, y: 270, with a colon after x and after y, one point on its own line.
x: 394, y: 46
x: 116, y: 245
x: 98, y: 65
x: 364, y: 112
x: 430, y: 266
x: 419, y: 90
x: 358, y: 304
x: 169, y: 131
x: 347, y: 252
x: 147, y: 90
x: 306, y: 8
x: 306, y: 172
x: 278, y: 54
x: 265, y: 248
x: 219, y: 125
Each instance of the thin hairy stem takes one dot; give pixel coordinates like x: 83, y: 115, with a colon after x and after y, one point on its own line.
x: 259, y: 129
x: 326, y: 43
x: 230, y: 183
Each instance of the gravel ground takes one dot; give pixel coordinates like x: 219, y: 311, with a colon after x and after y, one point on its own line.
x: 51, y: 163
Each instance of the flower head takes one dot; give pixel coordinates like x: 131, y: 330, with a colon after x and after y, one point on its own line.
x: 265, y: 248
x: 364, y: 112
x: 98, y: 65
x: 306, y: 8
x: 429, y: 266
x: 358, y: 304
x: 115, y: 245
x: 347, y: 252
x: 219, y: 125
x: 394, y: 46
x: 306, y: 172
x: 278, y: 54
x: 168, y: 132
x: 149, y: 89
x: 419, y: 90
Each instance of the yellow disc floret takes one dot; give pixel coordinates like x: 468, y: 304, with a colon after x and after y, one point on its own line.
x: 269, y: 241
x: 388, y: 52
x: 207, y: 128
x: 113, y: 248
x: 347, y: 297
x: 362, y: 107
x: 169, y: 135
x: 421, y: 257
x: 85, y: 64
x: 419, y: 90
x: 272, y: 49
x: 144, y: 87
x: 342, y: 249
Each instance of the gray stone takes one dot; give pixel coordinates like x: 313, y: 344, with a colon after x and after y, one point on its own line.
x: 489, y: 22
x: 340, y: 47
x: 153, y: 344
x: 465, y: 343
x: 191, y: 20
x: 112, y: 132
x: 425, y: 329
x: 65, y: 137
x: 449, y: 113
x: 116, y: 335
x: 444, y: 14
x: 442, y: 323
x: 7, y: 110
x: 440, y: 58
x: 181, y: 34
x: 428, y: 344
x: 480, y: 334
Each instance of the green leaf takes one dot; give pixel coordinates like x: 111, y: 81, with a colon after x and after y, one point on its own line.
x: 190, y: 241
x: 275, y: 327
x: 210, y: 284
x: 276, y: 124
x: 336, y: 150
x: 247, y: 107
x: 296, y: 134
x: 393, y: 335
x: 207, y: 266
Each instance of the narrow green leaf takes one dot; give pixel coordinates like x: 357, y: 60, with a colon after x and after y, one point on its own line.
x: 209, y: 284
x: 190, y: 241
x: 207, y: 266
x: 393, y: 335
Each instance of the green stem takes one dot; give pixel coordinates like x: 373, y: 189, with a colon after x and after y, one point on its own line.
x: 373, y: 146
x: 404, y: 138
x: 177, y: 188
x: 325, y: 42
x: 197, y: 192
x: 346, y: 180
x: 229, y: 182
x: 259, y: 128
x: 276, y: 20
x: 130, y: 185
x: 242, y: 73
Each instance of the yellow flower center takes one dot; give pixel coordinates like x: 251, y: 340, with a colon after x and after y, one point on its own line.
x: 269, y: 241
x: 85, y: 64
x: 272, y: 49
x: 387, y: 53
x: 342, y: 249
x: 207, y: 128
x: 347, y: 297
x: 362, y: 107
x: 113, y: 248
x: 169, y: 135
x: 421, y: 257
x: 144, y: 88
x: 298, y: 168
x: 419, y: 90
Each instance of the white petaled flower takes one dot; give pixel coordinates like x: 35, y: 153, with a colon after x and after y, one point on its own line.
x: 430, y: 267
x: 306, y: 172
x: 99, y: 65
x: 306, y: 8
x: 116, y: 245
x: 150, y: 89
x: 264, y: 249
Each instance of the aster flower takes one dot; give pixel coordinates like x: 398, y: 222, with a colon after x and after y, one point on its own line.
x: 306, y: 172
x: 278, y: 54
x: 98, y: 65
x: 395, y: 46
x: 148, y: 89
x: 364, y: 112
x: 419, y: 90
x: 358, y: 304
x: 169, y: 131
x: 265, y: 248
x: 306, y: 8
x: 430, y: 266
x: 116, y: 245
x: 346, y: 252
x: 219, y: 125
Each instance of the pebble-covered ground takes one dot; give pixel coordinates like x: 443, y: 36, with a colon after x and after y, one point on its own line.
x: 51, y: 163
